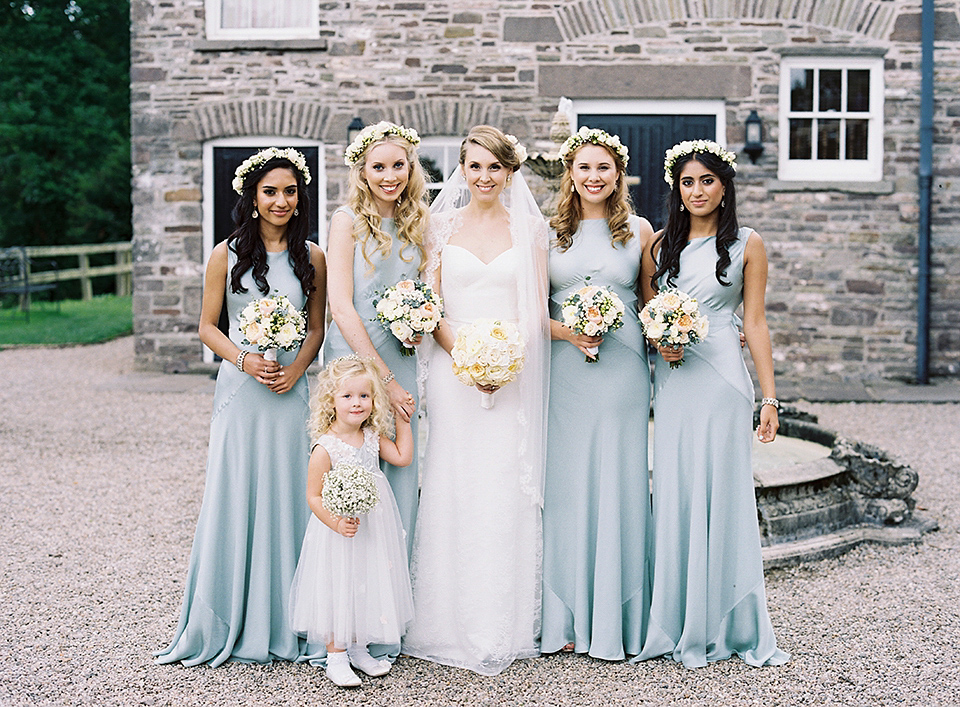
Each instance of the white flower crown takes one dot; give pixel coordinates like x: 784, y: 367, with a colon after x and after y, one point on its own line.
x: 376, y: 133
x: 519, y: 149
x: 261, y: 158
x: 596, y: 137
x: 688, y: 147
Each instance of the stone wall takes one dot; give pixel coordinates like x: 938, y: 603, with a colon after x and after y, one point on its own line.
x: 842, y: 289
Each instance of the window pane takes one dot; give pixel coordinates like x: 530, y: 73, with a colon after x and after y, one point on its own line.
x: 856, y: 139
x: 801, y: 146
x: 244, y: 14
x: 858, y: 90
x: 830, y: 89
x: 801, y: 89
x: 828, y: 139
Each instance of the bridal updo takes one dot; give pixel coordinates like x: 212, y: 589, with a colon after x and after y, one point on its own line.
x: 489, y: 138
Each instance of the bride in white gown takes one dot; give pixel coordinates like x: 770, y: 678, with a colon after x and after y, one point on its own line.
x: 477, y: 546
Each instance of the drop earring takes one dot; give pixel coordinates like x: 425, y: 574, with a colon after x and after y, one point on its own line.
x: 681, y: 206
x: 296, y: 212
x: 256, y: 214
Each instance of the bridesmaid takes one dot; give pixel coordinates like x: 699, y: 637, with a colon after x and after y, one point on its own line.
x: 708, y: 596
x: 254, y: 512
x: 596, y: 508
x: 376, y: 240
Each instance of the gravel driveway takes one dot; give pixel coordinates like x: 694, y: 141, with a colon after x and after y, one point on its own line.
x: 101, y: 477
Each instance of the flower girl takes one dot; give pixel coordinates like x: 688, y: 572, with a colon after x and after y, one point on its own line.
x: 352, y: 587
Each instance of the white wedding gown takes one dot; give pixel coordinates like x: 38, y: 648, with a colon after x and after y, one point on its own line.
x: 477, y: 546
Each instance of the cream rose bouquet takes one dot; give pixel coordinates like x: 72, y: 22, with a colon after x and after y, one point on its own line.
x: 487, y: 352
x: 409, y: 309
x: 593, y: 310
x: 673, y: 318
x: 349, y: 490
x: 272, y: 323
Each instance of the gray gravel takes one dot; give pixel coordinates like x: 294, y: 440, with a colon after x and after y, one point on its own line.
x: 101, y: 477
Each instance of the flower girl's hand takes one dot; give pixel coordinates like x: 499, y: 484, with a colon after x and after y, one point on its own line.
x: 347, y: 527
x: 401, y: 400
x: 669, y: 353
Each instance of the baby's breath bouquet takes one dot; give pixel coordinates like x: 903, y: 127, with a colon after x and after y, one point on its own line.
x: 272, y: 323
x: 349, y: 490
x: 673, y: 318
x: 593, y: 310
x: 487, y: 352
x: 409, y: 309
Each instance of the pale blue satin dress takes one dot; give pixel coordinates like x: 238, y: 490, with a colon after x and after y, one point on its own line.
x: 254, y: 512
x: 708, y: 595
x: 596, y: 509
x: 401, y: 264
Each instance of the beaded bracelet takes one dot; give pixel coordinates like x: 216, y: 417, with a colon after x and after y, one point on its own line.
x: 242, y: 355
x: 770, y: 401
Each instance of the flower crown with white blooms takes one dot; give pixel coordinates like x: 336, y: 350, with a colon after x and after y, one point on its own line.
x: 261, y: 158
x: 376, y: 133
x: 688, y: 147
x: 597, y: 137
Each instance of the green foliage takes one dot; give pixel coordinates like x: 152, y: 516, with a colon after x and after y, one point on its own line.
x: 64, y: 121
x: 76, y: 322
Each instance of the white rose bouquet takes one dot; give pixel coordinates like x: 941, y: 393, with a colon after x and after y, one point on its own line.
x: 408, y: 309
x: 673, y: 318
x: 487, y: 352
x: 272, y: 323
x: 593, y: 310
x: 349, y: 490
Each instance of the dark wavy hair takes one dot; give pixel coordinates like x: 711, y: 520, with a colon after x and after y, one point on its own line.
x: 673, y: 239
x: 245, y: 241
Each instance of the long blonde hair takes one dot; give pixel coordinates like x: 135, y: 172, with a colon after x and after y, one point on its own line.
x: 331, y: 379
x: 411, y: 210
x: 570, y: 210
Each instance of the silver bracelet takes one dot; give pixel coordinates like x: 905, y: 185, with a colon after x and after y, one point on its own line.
x: 242, y: 355
x: 388, y: 378
x: 770, y: 401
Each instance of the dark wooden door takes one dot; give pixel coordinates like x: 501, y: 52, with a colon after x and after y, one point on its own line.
x: 647, y: 137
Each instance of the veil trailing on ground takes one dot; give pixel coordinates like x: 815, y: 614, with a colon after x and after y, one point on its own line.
x: 528, y: 234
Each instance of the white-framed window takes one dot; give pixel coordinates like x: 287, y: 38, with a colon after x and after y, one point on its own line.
x: 831, y: 119
x: 263, y: 19
x: 439, y: 156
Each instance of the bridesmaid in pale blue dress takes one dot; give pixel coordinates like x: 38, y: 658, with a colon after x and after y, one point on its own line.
x: 708, y: 595
x: 254, y: 510
x: 375, y: 241
x: 596, y: 512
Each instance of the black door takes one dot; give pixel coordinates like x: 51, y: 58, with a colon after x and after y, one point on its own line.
x: 647, y: 137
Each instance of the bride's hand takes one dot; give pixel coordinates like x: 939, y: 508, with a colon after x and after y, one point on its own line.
x: 401, y: 400
x: 669, y: 353
x: 488, y: 388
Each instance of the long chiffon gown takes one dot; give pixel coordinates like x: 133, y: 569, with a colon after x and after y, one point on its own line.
x: 596, y: 510
x: 254, y: 511
x: 708, y: 595
x: 367, y: 281
x: 475, y: 566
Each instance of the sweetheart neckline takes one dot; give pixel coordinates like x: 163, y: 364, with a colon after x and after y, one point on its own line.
x: 477, y: 257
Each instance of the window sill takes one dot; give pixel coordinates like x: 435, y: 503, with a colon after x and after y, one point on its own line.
x: 231, y: 45
x: 851, y: 187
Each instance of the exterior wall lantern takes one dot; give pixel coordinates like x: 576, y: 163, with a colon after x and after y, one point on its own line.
x: 753, y: 145
x: 356, y: 125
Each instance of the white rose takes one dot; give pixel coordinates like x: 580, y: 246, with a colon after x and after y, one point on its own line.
x: 655, y: 330
x: 401, y: 330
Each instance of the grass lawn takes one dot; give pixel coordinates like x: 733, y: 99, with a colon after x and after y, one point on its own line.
x: 78, y: 322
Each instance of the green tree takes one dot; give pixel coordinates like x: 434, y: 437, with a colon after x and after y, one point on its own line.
x: 64, y: 121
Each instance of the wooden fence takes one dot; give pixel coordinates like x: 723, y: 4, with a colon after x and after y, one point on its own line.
x: 122, y: 268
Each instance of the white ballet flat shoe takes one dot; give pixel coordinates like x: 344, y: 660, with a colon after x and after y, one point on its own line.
x: 361, y: 659
x: 338, y: 670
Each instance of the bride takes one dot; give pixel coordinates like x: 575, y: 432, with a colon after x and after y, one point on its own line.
x: 477, y: 549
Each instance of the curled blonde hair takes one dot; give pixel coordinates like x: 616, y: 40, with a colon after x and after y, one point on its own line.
x: 570, y: 210
x: 492, y: 139
x: 411, y: 211
x: 331, y: 379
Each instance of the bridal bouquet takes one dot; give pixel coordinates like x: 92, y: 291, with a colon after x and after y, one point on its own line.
x: 272, y: 323
x: 408, y: 309
x: 487, y: 352
x: 673, y: 318
x: 349, y: 490
x: 593, y: 310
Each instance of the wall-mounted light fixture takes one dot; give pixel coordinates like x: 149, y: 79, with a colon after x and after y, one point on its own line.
x: 356, y: 125
x: 753, y: 145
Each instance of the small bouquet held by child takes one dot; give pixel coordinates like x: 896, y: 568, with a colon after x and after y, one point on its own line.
x: 593, y: 310
x: 407, y: 310
x: 673, y: 318
x: 272, y: 323
x: 488, y: 352
x: 349, y: 490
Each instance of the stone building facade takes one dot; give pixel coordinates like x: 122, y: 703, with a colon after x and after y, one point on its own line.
x: 836, y: 203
